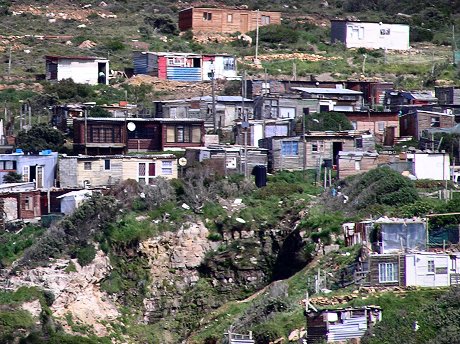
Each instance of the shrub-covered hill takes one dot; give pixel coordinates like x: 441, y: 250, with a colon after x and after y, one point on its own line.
x: 119, y: 27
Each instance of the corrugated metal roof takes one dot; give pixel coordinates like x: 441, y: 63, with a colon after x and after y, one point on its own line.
x: 323, y: 90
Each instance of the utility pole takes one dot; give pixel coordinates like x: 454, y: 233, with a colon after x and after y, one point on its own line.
x: 9, y: 64
x: 213, y: 92
x: 86, y: 131
x: 454, y: 44
x: 245, y: 125
x: 256, y: 59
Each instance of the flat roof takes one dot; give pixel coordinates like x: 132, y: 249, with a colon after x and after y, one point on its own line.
x: 71, y: 57
x: 118, y: 156
x: 324, y: 90
x: 363, y: 21
x: 225, y: 9
x: 136, y: 119
x: 172, y: 53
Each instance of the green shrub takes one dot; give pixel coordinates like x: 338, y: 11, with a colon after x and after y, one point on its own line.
x: 85, y: 255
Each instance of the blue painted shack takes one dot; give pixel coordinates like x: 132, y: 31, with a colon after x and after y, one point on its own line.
x: 38, y: 168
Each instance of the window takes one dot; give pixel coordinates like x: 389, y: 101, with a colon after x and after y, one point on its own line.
x: 388, y: 272
x: 176, y: 61
x: 354, y: 124
x: 431, y: 266
x: 229, y: 18
x: 317, y: 147
x: 8, y: 165
x: 359, y: 142
x: 207, y: 16
x: 146, y: 172
x: 435, y: 122
x: 384, y: 32
x: 265, y: 20
x: 380, y: 126
x: 183, y: 134
x: 229, y: 63
x: 87, y: 166
x: 166, y: 168
x: 28, y: 203
x: 107, y: 164
x: 26, y: 173
x: 289, y: 148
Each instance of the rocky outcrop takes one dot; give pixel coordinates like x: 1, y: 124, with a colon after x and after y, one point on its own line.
x: 174, y: 258
x: 76, y: 292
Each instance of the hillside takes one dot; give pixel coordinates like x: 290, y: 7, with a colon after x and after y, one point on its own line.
x: 114, y: 29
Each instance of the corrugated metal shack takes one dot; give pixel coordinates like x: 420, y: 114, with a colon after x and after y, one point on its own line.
x: 184, y: 66
x: 340, y: 325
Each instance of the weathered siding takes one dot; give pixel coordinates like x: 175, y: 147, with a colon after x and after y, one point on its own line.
x: 374, y: 261
x: 349, y: 165
x: 131, y: 167
x: 224, y: 20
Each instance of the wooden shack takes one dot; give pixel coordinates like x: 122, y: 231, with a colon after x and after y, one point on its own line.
x: 295, y: 153
x: 351, y: 163
x: 342, y: 324
x: 225, y: 20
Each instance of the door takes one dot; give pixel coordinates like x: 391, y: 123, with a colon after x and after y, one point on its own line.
x: 39, y: 177
x: 244, y: 23
x: 336, y: 148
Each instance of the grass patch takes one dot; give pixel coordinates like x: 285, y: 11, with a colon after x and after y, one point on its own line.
x: 14, y: 244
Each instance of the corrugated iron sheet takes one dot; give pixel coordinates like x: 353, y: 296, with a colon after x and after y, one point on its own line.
x: 140, y: 62
x: 184, y: 74
x: 350, y: 328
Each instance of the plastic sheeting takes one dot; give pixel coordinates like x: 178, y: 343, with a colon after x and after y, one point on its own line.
x: 403, y: 237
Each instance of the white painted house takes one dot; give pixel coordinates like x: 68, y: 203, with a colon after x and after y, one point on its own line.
x: 430, y: 165
x: 357, y: 34
x: 81, y: 69
x: 427, y: 269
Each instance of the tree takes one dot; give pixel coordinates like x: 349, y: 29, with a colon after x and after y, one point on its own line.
x: 67, y: 89
x: 323, y: 121
x: 40, y: 137
x: 97, y: 111
x: 162, y: 23
x: 12, y: 177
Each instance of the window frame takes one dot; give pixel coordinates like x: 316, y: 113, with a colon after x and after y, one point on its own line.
x: 289, y: 148
x: 431, y: 267
x: 207, y: 16
x: 384, y: 273
x: 166, y: 168
x: 109, y: 165
x: 88, y: 163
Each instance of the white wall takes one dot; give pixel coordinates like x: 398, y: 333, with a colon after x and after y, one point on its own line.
x: 81, y: 71
x: 417, y: 270
x: 377, y: 36
x: 220, y: 72
x: 430, y: 166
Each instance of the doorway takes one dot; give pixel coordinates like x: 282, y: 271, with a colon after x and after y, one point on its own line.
x: 244, y: 23
x: 101, y: 73
x: 336, y: 148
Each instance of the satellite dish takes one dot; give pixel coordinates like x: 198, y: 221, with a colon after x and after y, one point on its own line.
x: 182, y: 162
x: 131, y: 126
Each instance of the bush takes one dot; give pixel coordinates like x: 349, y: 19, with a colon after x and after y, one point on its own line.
x: 85, y: 255
x: 276, y: 34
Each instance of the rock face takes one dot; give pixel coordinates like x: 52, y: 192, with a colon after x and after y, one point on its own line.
x: 77, y: 293
x: 174, y: 258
